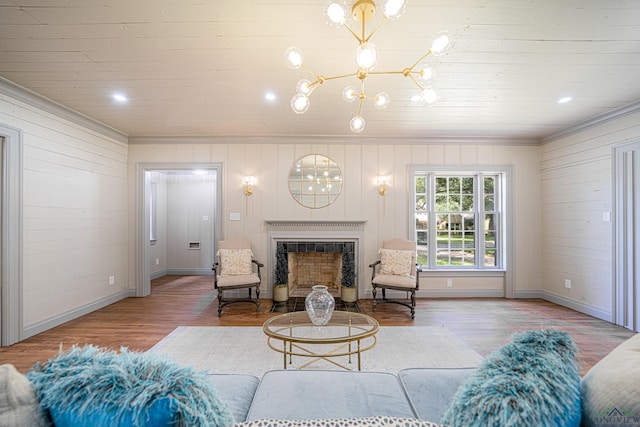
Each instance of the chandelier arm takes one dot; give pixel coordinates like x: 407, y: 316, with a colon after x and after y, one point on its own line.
x: 354, y: 34
x: 341, y: 76
x: 420, y: 60
x: 317, y: 76
x: 413, y: 79
x: 366, y: 40
x: 386, y: 72
x: 360, y: 106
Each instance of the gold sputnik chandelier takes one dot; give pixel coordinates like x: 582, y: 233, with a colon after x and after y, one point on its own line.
x: 362, y: 11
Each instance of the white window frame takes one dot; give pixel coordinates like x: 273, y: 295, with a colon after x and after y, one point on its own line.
x: 502, y: 202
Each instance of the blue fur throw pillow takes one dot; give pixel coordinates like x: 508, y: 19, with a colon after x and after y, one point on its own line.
x: 533, y: 380
x: 89, y: 386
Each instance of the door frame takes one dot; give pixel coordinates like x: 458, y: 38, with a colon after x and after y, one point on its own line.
x: 143, y: 190
x: 11, y: 286
x: 626, y: 241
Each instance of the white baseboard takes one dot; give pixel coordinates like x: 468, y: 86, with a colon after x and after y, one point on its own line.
x: 188, y: 272
x: 590, y: 310
x: 59, y: 319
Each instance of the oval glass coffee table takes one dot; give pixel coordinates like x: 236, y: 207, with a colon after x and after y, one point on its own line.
x: 346, y: 334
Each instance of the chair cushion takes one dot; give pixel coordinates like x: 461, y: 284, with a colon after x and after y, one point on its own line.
x: 235, y: 261
x: 610, y: 388
x: 396, y: 262
x: 238, y: 280
x: 396, y: 281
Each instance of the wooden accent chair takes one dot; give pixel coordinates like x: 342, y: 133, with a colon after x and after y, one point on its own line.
x: 396, y: 270
x: 236, y: 269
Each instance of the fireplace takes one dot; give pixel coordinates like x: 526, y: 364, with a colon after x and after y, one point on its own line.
x: 315, y: 263
x: 315, y: 252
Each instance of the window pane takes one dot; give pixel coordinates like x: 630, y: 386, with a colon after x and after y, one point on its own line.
x: 490, y: 258
x: 441, y: 185
x: 468, y: 185
x: 454, y: 185
x: 421, y: 203
x: 441, y: 203
x: 421, y: 184
x: 467, y: 202
x: 489, y: 185
x: 489, y: 203
x: 454, y: 203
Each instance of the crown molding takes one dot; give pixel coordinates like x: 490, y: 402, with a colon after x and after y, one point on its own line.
x: 22, y: 94
x: 333, y: 139
x: 594, y: 121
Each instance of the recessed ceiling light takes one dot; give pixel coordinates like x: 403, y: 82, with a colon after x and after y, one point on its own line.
x: 270, y: 96
x: 120, y: 97
x: 564, y: 100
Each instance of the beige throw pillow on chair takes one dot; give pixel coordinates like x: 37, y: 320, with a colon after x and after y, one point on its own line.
x: 396, y: 263
x: 234, y: 262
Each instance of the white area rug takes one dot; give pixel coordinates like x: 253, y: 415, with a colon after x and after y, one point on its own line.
x: 226, y: 349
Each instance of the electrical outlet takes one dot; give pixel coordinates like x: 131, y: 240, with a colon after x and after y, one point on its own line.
x: 567, y: 283
x: 449, y: 283
x: 112, y: 280
x: 157, y: 261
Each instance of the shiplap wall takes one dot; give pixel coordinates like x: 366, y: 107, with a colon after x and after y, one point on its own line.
x: 190, y: 198
x: 74, y: 215
x: 386, y: 217
x: 576, y: 182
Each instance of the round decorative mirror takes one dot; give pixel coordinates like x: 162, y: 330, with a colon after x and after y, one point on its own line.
x: 315, y: 181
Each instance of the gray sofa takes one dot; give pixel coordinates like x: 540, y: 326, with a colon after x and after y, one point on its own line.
x: 607, y: 395
x: 522, y: 383
x: 327, y: 394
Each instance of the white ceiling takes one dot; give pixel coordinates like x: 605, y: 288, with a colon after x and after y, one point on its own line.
x: 202, y: 67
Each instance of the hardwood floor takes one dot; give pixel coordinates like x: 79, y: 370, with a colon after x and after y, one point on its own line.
x: 139, y: 323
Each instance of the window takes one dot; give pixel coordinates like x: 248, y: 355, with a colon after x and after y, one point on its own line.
x: 458, y: 217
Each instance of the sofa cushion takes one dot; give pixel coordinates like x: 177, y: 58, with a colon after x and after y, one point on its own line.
x: 236, y: 391
x: 610, y: 388
x: 378, y: 421
x: 430, y: 390
x: 531, y: 381
x: 322, y: 394
x: 18, y: 402
x: 89, y: 386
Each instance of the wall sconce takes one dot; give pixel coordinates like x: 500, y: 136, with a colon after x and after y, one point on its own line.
x: 249, y: 182
x: 382, y: 185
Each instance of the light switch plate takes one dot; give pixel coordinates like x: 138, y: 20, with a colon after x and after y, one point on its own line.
x: 234, y: 216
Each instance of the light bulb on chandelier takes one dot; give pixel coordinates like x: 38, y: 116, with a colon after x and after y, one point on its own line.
x: 362, y: 11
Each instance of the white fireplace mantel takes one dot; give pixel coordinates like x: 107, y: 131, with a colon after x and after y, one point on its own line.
x: 275, y: 224
x: 316, y: 230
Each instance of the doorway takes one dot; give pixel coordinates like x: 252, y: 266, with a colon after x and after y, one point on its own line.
x: 147, y: 219
x: 626, y: 236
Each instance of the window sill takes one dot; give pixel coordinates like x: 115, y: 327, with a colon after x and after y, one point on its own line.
x: 462, y: 273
